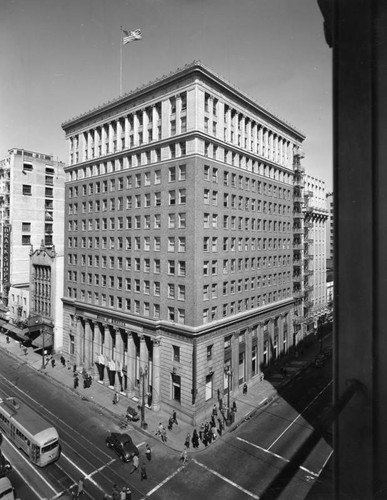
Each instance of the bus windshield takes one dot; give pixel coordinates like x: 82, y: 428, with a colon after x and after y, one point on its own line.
x: 50, y: 447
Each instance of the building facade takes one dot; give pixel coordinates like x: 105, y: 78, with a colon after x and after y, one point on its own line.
x: 179, y: 240
x: 31, y: 215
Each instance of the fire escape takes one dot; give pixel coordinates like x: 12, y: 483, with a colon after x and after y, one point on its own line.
x: 298, y: 247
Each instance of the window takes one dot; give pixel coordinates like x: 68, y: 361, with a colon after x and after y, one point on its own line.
x: 171, y: 291
x: 26, y: 239
x: 176, y: 353
x: 209, y: 352
x: 27, y: 190
x: 26, y: 227
x: 182, y: 173
x: 172, y: 174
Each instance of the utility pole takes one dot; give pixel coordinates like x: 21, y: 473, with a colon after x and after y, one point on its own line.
x: 228, y: 372
x: 143, y: 373
x: 43, y: 360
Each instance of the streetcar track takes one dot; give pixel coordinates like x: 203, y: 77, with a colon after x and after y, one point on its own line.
x: 6, y: 385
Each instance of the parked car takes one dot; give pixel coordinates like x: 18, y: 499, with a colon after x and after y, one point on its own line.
x: 7, y: 491
x: 5, y: 466
x: 132, y: 414
x: 123, y: 445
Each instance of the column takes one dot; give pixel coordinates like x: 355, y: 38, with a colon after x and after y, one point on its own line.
x: 235, y: 361
x: 119, y: 132
x: 88, y: 344
x: 156, y: 381
x: 119, y: 358
x: 107, y: 343
x: 248, y: 352
x: 103, y: 139
x: 131, y: 364
x: 154, y: 122
x: 79, y: 343
x: 260, y: 345
x: 135, y: 129
x: 126, y: 132
x: 143, y: 364
x: 145, y: 122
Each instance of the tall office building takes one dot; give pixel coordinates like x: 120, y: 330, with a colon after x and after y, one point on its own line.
x: 31, y: 216
x: 179, y: 240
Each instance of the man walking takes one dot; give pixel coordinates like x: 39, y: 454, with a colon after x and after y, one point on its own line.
x: 143, y: 472
x: 148, y: 453
x: 135, y: 464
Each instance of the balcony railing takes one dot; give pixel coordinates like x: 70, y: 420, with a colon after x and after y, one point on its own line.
x: 308, y: 303
x: 298, y: 215
x: 297, y: 262
x: 298, y: 294
x: 298, y: 320
x: 297, y: 277
x: 298, y: 247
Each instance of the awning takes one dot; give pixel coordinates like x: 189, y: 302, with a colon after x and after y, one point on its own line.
x: 43, y: 338
x: 12, y: 328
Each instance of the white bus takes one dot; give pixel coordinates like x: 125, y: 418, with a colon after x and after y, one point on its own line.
x: 29, y: 431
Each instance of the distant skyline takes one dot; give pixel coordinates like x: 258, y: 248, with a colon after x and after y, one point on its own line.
x: 61, y: 58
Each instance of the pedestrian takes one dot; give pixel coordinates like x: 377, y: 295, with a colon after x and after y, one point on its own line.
x: 76, y: 381
x: 201, y: 430
x: 212, y: 421
x: 220, y: 428
x: 80, y: 488
x: 148, y: 452
x: 214, y: 411
x: 170, y: 423
x: 195, y: 439
x: 116, y: 492
x: 245, y: 388
x: 116, y: 398
x: 53, y: 362
x: 149, y: 400
x: 62, y: 360
x: 218, y: 395
x: 174, y: 418
x: 234, y: 407
x: 123, y: 493
x: 106, y: 497
x: 128, y: 493
x: 7, y: 339
x: 164, y: 435
x: 143, y: 472
x: 184, y: 456
x: 74, y: 368
x: 187, y: 440
x: 135, y: 462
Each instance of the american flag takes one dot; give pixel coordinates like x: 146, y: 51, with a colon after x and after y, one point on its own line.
x: 131, y: 36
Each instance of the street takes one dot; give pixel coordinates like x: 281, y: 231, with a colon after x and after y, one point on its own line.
x: 241, y: 464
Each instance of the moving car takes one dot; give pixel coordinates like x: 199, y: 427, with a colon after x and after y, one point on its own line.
x: 123, y: 445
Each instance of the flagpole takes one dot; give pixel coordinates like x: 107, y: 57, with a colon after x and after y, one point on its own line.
x: 120, y: 60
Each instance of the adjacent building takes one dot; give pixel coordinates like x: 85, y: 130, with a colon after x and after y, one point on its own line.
x: 179, y: 250
x: 31, y: 216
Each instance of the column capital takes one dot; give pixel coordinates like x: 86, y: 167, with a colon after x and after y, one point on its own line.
x: 156, y: 341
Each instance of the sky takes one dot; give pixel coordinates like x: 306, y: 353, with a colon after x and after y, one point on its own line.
x: 61, y: 58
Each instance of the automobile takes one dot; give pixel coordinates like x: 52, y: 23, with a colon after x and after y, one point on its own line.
x: 123, y: 445
x: 7, y: 491
x: 5, y: 466
x: 132, y: 414
x: 319, y: 363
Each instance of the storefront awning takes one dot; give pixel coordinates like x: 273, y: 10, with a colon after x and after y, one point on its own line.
x: 43, y: 339
x: 12, y: 328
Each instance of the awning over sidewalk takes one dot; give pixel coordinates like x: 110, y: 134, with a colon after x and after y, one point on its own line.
x: 43, y: 339
x: 12, y: 328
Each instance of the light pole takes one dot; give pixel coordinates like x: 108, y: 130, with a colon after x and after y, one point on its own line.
x: 43, y: 360
x: 143, y: 373
x: 228, y: 372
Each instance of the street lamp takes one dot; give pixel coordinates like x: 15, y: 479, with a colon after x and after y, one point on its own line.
x: 228, y: 372
x: 43, y: 360
x: 143, y: 373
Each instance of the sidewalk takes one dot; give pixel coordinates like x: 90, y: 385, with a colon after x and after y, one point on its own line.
x: 259, y: 393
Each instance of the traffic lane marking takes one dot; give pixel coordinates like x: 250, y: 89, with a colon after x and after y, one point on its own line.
x: 27, y: 462
x: 315, y: 474
x: 85, y: 477
x: 212, y: 471
x: 163, y: 482
x: 299, y: 415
